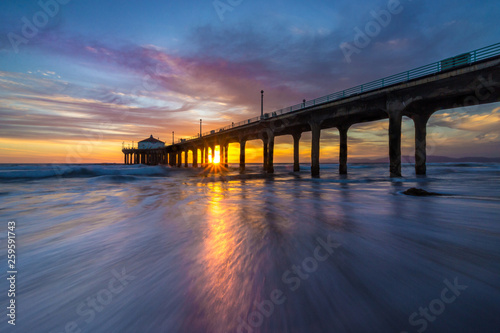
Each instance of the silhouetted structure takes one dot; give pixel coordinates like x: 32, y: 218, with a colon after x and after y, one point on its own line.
x: 469, y: 79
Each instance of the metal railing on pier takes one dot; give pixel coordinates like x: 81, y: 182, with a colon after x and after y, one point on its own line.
x: 438, y: 67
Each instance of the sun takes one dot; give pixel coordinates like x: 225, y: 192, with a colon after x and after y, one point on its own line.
x: 214, y: 165
x: 215, y: 158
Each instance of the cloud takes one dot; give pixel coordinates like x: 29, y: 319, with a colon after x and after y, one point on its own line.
x: 483, y: 119
x: 38, y: 108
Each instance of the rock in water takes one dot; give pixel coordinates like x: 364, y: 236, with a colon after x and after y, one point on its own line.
x: 418, y: 192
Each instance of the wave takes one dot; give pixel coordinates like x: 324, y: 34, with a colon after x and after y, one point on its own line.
x: 120, y: 172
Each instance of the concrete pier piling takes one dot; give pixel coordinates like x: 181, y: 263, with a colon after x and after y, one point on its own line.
x: 395, y: 119
x: 316, y: 133
x: 242, y: 155
x: 420, y: 123
x: 343, y: 149
x: 296, y: 141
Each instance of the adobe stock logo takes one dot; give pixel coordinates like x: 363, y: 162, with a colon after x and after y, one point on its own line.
x: 95, y: 304
x: 221, y: 7
x: 436, y: 307
x: 39, y: 20
x: 381, y: 19
x: 292, y: 279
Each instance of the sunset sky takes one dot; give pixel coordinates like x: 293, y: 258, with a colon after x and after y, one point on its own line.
x: 78, y: 78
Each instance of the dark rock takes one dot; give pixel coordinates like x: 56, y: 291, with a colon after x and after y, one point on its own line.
x: 418, y: 192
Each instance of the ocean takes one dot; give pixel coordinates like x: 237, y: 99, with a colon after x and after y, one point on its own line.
x: 115, y: 248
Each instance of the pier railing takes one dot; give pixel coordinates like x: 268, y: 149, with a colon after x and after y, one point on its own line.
x: 438, y: 67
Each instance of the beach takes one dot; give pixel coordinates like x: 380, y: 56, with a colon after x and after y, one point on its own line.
x: 115, y: 248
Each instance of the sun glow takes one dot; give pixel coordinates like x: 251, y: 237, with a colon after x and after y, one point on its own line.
x: 214, y: 165
x: 214, y: 157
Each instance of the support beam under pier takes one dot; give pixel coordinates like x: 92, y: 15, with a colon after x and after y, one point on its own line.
x: 270, y: 153
x: 226, y: 155
x: 265, y: 153
x: 316, y: 133
x: 242, y: 155
x: 206, y: 156
x: 343, y: 149
x: 420, y: 123
x: 395, y: 119
x: 296, y: 141
x: 221, y: 154
x: 195, y: 157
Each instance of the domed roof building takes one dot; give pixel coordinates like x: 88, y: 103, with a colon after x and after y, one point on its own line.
x: 151, y: 143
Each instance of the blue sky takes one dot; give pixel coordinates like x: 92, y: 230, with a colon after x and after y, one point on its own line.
x: 121, y: 70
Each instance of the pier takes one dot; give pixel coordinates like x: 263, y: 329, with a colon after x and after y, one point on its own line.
x: 467, y: 79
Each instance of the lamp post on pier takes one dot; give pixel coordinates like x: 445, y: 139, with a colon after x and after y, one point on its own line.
x: 200, y: 127
x: 261, y: 104
x: 172, y: 137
